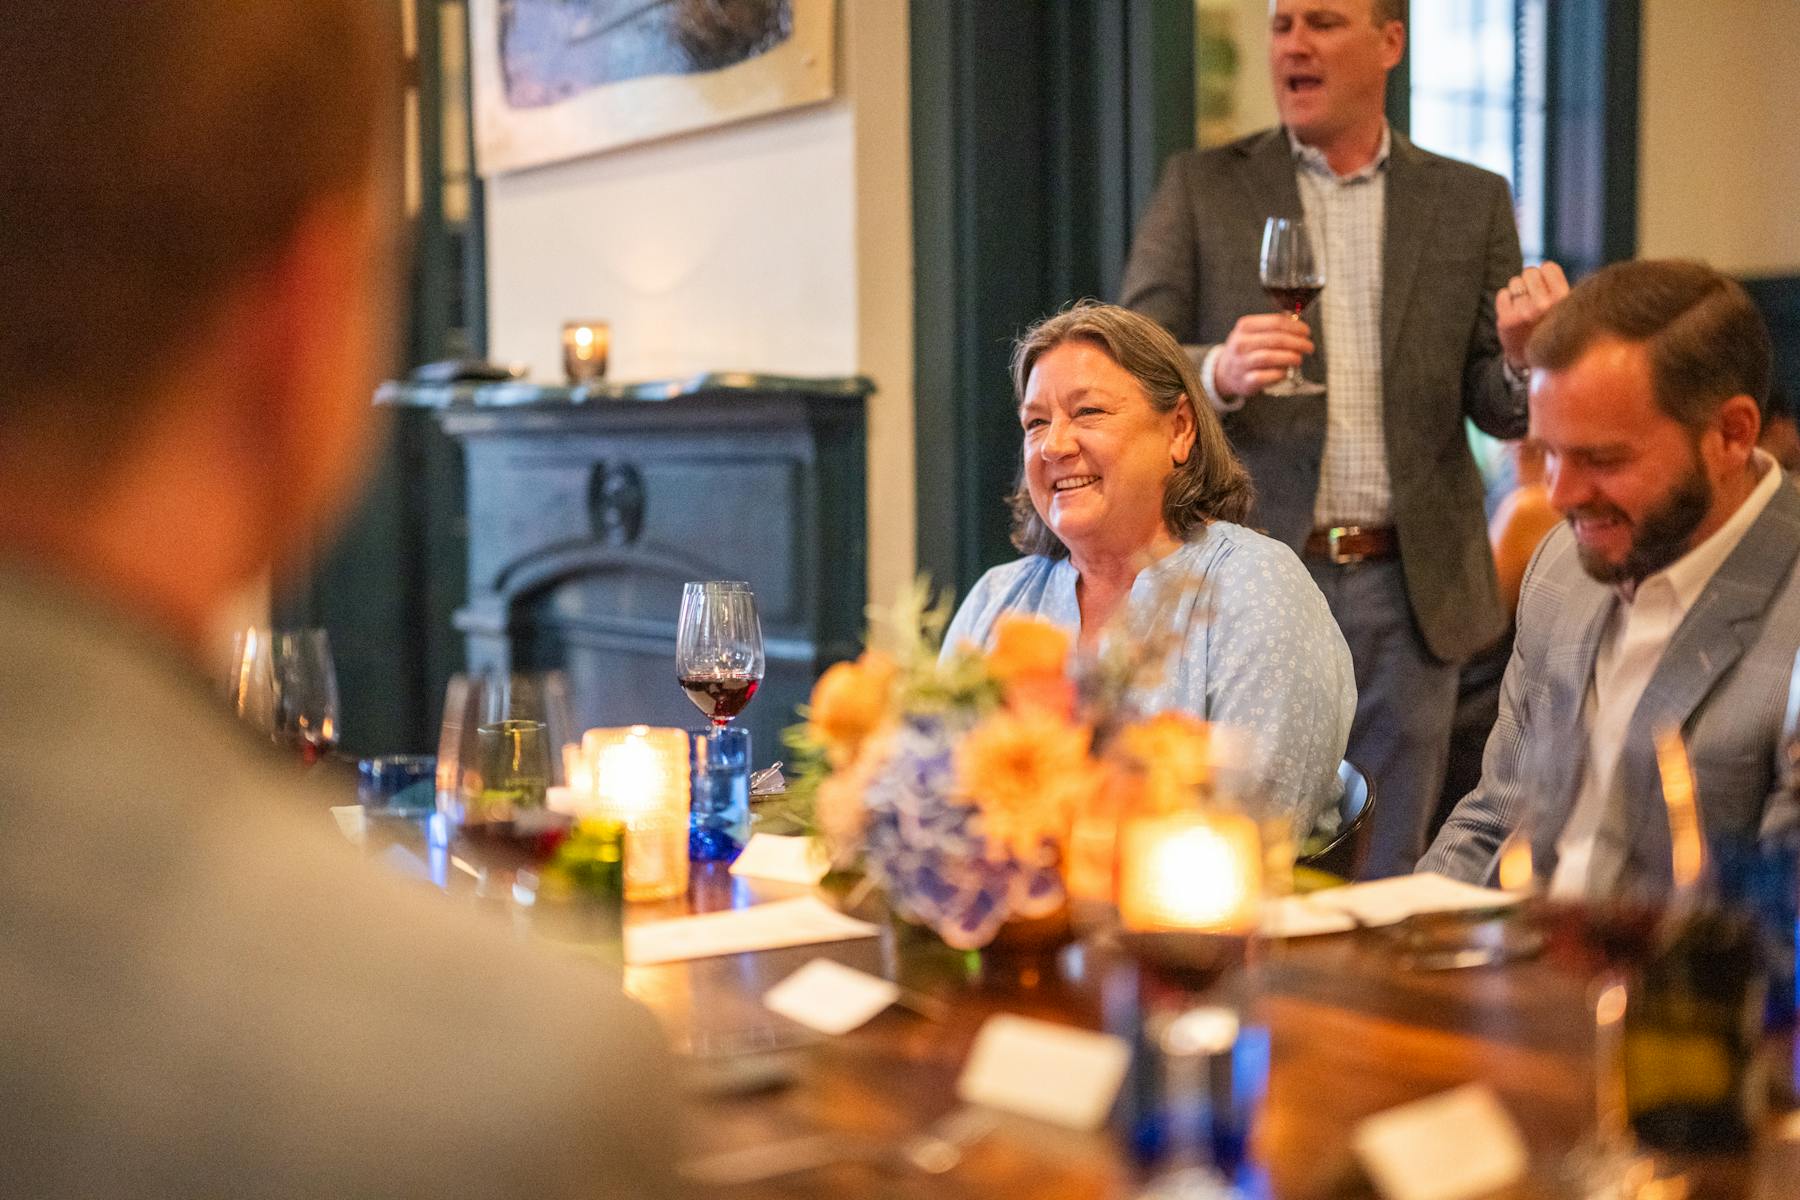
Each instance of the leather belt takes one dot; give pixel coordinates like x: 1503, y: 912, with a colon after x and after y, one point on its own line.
x: 1353, y: 543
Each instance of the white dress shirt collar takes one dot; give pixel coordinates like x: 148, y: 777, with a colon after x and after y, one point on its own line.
x: 1688, y: 575
x: 1313, y: 158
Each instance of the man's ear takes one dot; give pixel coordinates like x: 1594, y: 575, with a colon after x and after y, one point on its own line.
x: 1393, y: 44
x: 1739, y: 423
x: 324, y: 324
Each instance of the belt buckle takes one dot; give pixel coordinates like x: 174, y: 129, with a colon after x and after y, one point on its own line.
x: 1333, y: 537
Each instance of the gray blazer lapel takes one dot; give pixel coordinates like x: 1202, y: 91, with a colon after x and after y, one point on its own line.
x: 1708, y: 642
x: 1411, y: 203
x: 1268, y: 175
x: 1583, y: 619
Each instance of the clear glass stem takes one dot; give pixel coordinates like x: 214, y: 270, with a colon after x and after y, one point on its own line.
x: 1294, y: 377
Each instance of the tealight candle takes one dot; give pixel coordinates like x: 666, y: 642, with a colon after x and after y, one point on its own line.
x: 585, y: 344
x: 638, y: 776
x: 1198, y: 872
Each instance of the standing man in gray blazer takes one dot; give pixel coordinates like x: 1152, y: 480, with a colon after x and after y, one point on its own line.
x: 1669, y: 600
x: 1372, y: 484
x: 203, y: 991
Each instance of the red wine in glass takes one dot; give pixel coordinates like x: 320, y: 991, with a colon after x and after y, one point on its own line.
x: 719, y: 697
x: 309, y: 748
x: 1294, y: 298
x: 1292, y: 274
x: 718, y: 648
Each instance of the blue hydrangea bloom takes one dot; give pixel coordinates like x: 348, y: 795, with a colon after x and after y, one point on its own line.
x: 925, y: 848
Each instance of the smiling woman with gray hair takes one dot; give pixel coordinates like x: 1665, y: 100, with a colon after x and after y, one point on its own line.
x: 1128, y: 489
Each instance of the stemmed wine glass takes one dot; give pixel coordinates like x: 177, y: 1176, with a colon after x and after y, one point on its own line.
x: 1293, y: 275
x: 719, y: 648
x: 285, y: 685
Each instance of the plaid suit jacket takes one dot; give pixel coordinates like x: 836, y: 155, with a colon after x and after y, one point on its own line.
x: 1723, y: 681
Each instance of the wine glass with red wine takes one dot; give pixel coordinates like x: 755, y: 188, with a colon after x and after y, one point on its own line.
x: 1293, y: 275
x: 285, y: 684
x: 719, y: 648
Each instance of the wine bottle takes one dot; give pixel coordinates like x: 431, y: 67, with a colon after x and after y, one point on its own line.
x: 1692, y: 1030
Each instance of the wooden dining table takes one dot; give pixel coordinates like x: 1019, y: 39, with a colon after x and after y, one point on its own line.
x: 1353, y: 1031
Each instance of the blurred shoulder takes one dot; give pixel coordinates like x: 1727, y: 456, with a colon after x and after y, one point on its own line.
x: 1465, y: 174
x: 1206, y: 163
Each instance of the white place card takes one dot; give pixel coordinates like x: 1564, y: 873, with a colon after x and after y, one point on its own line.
x: 1456, y: 1145
x: 798, y: 922
x: 1386, y: 901
x: 830, y: 997
x: 1050, y: 1072
x: 799, y: 860
x: 1298, y: 916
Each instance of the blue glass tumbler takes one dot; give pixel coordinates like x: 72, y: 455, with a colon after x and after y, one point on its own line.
x: 719, y: 760
x: 399, y: 785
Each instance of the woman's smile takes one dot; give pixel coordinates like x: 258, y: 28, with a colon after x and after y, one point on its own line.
x: 1072, y: 482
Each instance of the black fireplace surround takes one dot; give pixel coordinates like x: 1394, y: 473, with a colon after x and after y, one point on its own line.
x: 588, y: 508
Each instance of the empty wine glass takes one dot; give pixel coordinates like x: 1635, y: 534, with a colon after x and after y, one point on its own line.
x: 719, y: 648
x: 285, y: 684
x: 1293, y: 275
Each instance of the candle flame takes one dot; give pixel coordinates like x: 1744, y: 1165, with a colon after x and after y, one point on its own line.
x: 1515, y: 863
x: 1687, y: 846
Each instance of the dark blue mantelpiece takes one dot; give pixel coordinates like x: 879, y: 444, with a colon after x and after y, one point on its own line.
x: 589, y: 507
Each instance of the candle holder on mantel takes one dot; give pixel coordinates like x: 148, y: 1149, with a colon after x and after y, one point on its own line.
x: 637, y: 776
x: 585, y: 347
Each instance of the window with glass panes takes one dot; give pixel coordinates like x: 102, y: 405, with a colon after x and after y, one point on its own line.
x: 1478, y: 86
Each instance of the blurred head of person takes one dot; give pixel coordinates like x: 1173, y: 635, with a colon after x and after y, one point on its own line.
x: 1119, y: 462
x: 1647, y: 391
x: 197, y: 245
x: 1329, y: 61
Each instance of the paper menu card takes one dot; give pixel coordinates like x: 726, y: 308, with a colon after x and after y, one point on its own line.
x: 1387, y: 901
x: 1456, y: 1145
x: 1051, y: 1072
x: 830, y: 997
x: 781, y: 859
x: 798, y: 922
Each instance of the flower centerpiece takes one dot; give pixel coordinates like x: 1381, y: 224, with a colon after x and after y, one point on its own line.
x: 973, y: 787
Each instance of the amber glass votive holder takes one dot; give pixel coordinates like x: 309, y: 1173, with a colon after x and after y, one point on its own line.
x: 585, y: 346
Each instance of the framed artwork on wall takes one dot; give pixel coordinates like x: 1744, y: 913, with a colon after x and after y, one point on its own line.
x: 558, y: 79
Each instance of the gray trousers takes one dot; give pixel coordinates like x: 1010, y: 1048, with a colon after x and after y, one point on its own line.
x: 1405, y: 704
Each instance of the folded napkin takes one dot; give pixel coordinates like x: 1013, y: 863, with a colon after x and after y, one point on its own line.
x: 799, y: 922
x: 1298, y: 916
x: 798, y: 860
x: 1387, y: 901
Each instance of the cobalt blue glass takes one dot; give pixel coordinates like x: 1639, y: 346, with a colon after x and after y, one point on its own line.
x: 719, y: 759
x: 1762, y: 878
x: 399, y: 785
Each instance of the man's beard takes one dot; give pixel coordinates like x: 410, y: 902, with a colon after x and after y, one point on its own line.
x: 1659, y: 539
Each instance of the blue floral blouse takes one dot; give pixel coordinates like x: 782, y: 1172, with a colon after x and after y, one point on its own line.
x: 1260, y: 651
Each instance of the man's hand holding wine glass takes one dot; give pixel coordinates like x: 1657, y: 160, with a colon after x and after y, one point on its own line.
x: 1258, y: 352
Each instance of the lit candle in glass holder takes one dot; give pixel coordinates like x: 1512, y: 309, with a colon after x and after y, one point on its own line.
x: 639, y: 776
x: 585, y: 344
x: 1190, y: 872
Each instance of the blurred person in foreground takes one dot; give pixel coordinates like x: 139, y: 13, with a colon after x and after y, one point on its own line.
x: 202, y: 993
x: 1422, y: 323
x: 1129, y: 484
x: 1667, y: 600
